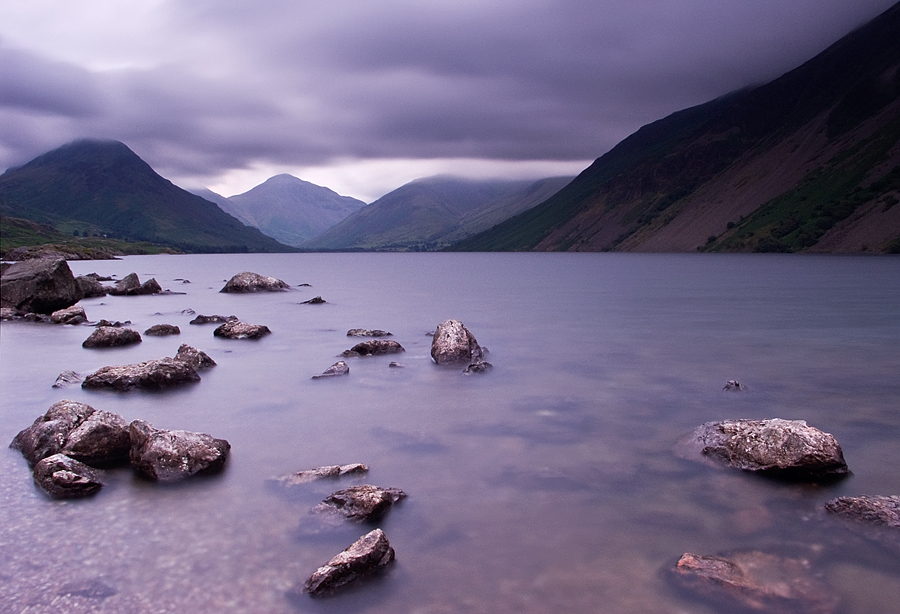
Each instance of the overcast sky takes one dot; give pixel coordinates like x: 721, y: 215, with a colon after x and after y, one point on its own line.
x: 362, y: 96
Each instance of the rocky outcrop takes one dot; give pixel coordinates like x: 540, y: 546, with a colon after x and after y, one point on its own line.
x: 453, y: 344
x: 111, y: 336
x: 365, y: 332
x: 360, y: 503
x: 320, y: 473
x: 131, y: 285
x: 338, y: 368
x: 174, y: 455
x: 215, y: 319
x: 374, y: 347
x: 236, y: 329
x: 41, y: 285
x: 198, y: 359
x: 162, y: 330
x: 756, y: 581
x: 877, y: 510
x: 782, y: 448
x: 76, y: 430
x: 369, y: 553
x: 70, y: 315
x: 152, y: 374
x: 253, y: 282
x: 63, y: 477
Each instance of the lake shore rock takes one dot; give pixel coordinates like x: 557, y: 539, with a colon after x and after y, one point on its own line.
x: 151, y: 374
x: 131, y: 285
x: 756, y: 581
x: 374, y: 347
x: 111, y: 336
x: 68, y: 378
x: 875, y: 510
x: 320, y: 473
x: 198, y: 359
x: 91, y: 287
x: 63, y: 477
x: 360, y: 503
x: 77, y: 430
x: 366, y: 332
x: 369, y: 553
x: 167, y: 456
x: 789, y: 449
x: 247, y: 282
x: 453, y: 344
x: 338, y: 368
x: 73, y: 315
x: 215, y: 319
x: 316, y: 300
x: 236, y: 329
x: 40, y: 285
x: 162, y: 330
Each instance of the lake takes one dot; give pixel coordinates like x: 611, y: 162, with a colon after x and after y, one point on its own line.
x: 548, y: 484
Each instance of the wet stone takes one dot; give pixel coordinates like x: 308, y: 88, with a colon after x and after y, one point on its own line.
x: 368, y: 554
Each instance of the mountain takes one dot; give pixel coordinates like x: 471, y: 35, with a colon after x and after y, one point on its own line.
x: 103, y: 188
x: 431, y: 213
x: 289, y: 209
x: 808, y: 162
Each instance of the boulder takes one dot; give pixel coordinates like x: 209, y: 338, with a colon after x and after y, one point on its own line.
x: 194, y: 357
x: 131, y: 285
x: 162, y: 330
x: 321, y: 473
x: 781, y: 448
x: 360, y: 503
x: 90, y: 286
x: 111, y: 336
x: 41, y: 285
x: 756, y: 581
x: 338, y: 368
x: 76, y: 430
x: 868, y: 509
x: 454, y: 344
x: 254, y: 282
x: 236, y: 329
x: 63, y: 477
x: 201, y: 319
x: 8, y: 313
x: 374, y: 347
x: 369, y: 553
x: 174, y: 455
x: 68, y: 378
x: 70, y: 315
x: 151, y: 374
x: 365, y: 332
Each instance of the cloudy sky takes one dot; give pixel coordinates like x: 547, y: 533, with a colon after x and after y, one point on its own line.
x: 364, y: 95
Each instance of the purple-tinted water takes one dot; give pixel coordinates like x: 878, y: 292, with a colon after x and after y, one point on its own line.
x: 548, y: 484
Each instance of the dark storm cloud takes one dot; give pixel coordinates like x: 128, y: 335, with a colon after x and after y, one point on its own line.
x: 300, y: 83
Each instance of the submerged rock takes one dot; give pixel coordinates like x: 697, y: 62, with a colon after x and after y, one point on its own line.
x: 39, y: 285
x: 236, y: 329
x: 198, y: 359
x: 216, y: 319
x: 454, y: 344
x: 254, y: 282
x: 162, y: 330
x: 782, y: 448
x: 63, y: 477
x: 369, y: 553
x: 151, y: 374
x: 68, y: 378
x: 320, y: 473
x: 733, y: 385
x: 70, y: 315
x: 360, y: 503
x: 374, y: 347
x: 365, y: 332
x: 318, y: 300
x: 876, y: 510
x: 174, y: 455
x: 111, y: 336
x: 480, y: 366
x: 338, y: 368
x: 756, y: 581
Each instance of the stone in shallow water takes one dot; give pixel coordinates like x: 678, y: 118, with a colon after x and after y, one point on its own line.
x: 167, y: 456
x: 453, y: 343
x: 151, y: 374
x: 870, y: 509
x: 161, y: 330
x: 254, y: 282
x: 374, y: 347
x: 320, y: 473
x: 338, y: 368
x: 111, y: 336
x: 369, y: 553
x: 236, y: 329
x: 361, y: 503
x: 198, y: 359
x: 62, y: 477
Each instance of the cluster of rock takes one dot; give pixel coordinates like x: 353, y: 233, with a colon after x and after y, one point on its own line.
x: 67, y: 446
x: 131, y: 285
x: 152, y: 374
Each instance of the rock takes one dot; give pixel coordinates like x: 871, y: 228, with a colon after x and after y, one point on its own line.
x: 318, y: 300
x: 131, y: 285
x: 194, y: 357
x: 756, y: 581
x: 253, y: 282
x: 68, y: 378
x: 361, y: 503
x: 63, y: 477
x: 90, y: 286
x: 150, y: 286
x: 152, y: 374
x: 201, y: 319
x: 116, y: 324
x: 111, y: 336
x: 162, y: 330
x: 397, y: 365
x: 734, y: 386
x: 174, y: 455
x: 374, y: 347
x: 70, y: 315
x: 481, y: 366
x: 320, y: 473
x: 365, y: 332
x: 869, y: 509
x: 8, y: 313
x: 41, y: 285
x: 782, y: 448
x: 236, y: 329
x: 369, y: 553
x: 454, y: 344
x: 338, y: 368
x: 76, y: 430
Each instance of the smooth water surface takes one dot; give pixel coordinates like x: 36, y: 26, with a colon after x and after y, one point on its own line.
x: 546, y: 485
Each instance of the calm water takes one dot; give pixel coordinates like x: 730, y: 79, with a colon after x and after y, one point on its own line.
x: 547, y: 485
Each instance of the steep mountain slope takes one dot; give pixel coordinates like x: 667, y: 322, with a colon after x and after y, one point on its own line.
x: 807, y: 162
x: 291, y: 210
x: 102, y: 187
x: 431, y: 213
